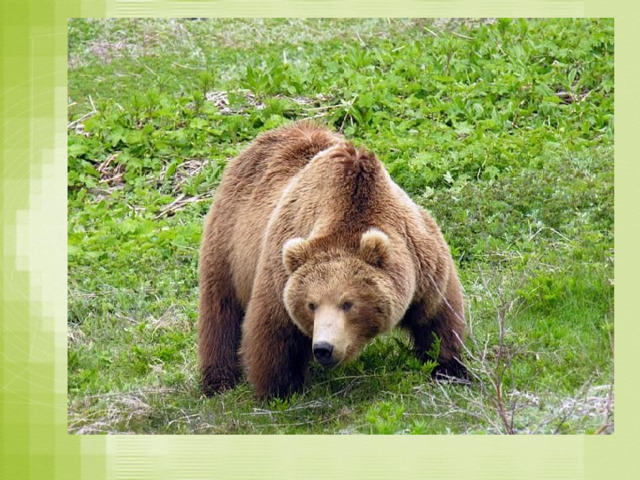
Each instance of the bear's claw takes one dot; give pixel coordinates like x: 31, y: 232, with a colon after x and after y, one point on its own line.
x: 451, y: 370
x: 214, y: 381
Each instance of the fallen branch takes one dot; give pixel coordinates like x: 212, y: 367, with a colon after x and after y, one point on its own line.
x: 180, y: 203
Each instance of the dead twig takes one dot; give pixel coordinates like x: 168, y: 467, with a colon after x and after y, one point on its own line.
x: 181, y: 202
x: 461, y: 36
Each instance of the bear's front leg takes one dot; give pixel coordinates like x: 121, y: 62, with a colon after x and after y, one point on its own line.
x: 447, y: 324
x: 274, y: 351
x: 423, y: 336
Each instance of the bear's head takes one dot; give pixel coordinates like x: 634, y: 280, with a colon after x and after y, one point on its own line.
x: 340, y: 298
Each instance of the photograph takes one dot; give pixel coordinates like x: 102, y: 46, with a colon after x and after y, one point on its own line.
x: 340, y: 226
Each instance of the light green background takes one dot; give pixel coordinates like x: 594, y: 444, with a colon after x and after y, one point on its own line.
x: 33, y: 406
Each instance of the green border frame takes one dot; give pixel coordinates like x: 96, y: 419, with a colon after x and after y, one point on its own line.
x: 33, y: 436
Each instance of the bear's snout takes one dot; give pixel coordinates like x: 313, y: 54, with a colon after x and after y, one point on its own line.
x: 323, y: 352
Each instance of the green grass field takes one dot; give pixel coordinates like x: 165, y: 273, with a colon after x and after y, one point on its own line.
x: 502, y: 129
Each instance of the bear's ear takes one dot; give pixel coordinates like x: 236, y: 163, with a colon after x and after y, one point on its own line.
x: 375, y: 247
x: 295, y: 252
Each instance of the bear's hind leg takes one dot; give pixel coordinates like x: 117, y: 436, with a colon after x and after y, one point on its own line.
x: 219, y: 324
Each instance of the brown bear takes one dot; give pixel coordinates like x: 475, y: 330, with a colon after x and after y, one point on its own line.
x: 311, y: 250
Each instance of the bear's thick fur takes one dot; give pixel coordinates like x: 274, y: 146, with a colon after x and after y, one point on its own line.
x: 310, y: 249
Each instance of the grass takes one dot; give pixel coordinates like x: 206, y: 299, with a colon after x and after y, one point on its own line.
x: 502, y: 129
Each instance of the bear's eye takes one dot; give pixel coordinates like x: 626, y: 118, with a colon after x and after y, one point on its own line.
x: 346, y: 306
x: 312, y: 306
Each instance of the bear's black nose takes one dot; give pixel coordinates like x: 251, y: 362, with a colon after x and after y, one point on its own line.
x: 322, y: 351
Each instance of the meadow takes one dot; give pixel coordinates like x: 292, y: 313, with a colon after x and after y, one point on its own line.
x: 502, y: 129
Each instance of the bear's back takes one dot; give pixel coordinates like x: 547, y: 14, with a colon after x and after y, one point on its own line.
x: 252, y: 185
x: 276, y: 156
